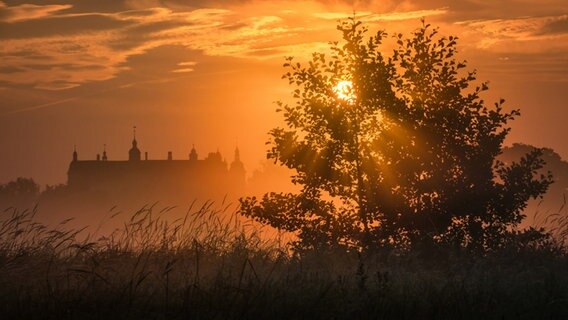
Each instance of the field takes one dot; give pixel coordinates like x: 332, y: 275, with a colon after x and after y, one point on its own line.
x: 211, y: 265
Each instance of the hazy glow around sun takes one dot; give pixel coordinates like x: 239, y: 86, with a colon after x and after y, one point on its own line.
x: 344, y: 90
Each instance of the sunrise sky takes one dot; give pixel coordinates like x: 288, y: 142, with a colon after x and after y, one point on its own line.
x: 207, y: 72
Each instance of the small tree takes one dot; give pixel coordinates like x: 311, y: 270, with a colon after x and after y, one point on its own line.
x: 394, y: 150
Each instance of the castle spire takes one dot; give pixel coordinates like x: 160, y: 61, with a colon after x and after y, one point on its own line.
x: 237, y: 171
x: 74, y: 153
x: 134, y: 142
x: 105, y: 152
x: 237, y: 155
x: 134, y: 152
x: 193, y: 153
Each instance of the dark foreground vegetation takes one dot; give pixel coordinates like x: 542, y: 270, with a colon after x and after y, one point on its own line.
x: 210, y: 265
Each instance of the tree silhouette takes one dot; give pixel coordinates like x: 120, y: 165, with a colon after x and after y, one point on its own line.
x: 395, y: 150
x: 21, y: 187
x: 19, y: 193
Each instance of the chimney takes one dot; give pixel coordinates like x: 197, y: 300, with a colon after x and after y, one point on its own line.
x: 146, y: 155
x: 98, y: 157
x: 169, y: 155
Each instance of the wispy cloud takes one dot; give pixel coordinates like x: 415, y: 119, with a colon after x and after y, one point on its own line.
x: 390, y: 16
x: 187, y: 66
x: 61, y: 46
x: 25, y: 12
x: 87, y: 52
x: 496, y: 32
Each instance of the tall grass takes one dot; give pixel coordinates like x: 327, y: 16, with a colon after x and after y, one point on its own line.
x: 554, y: 222
x: 210, y: 264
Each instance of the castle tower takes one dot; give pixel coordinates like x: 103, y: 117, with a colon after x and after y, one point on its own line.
x: 105, y: 153
x: 134, y: 152
x: 193, y: 153
x: 237, y: 155
x: 74, y: 153
x: 237, y: 172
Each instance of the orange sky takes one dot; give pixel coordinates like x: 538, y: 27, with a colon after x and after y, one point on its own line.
x: 84, y: 72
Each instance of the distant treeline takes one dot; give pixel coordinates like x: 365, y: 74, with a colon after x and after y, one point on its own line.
x: 554, y: 200
x: 26, y: 192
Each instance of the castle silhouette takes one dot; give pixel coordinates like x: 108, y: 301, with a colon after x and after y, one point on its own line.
x: 154, y: 180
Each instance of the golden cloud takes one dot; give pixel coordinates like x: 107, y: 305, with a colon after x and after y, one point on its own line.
x: 74, y: 51
x: 391, y: 16
x: 25, y: 12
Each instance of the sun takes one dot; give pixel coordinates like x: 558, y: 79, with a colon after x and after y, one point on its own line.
x: 344, y: 90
